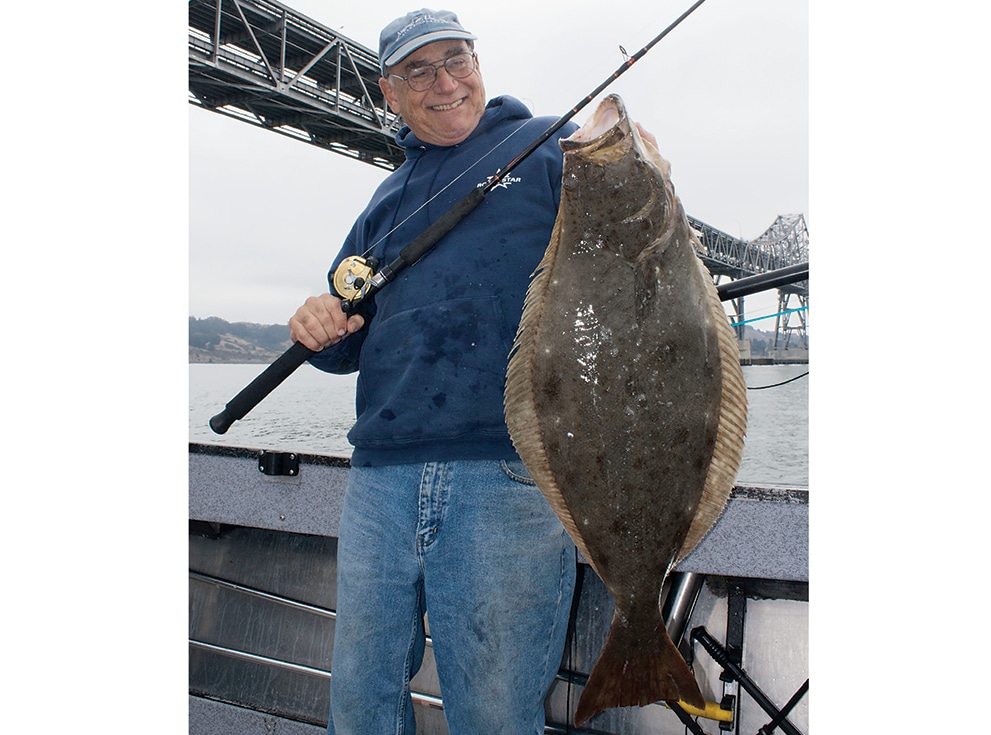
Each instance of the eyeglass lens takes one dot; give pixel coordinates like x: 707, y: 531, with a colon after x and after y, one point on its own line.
x: 422, y: 78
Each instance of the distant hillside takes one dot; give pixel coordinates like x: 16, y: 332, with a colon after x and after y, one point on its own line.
x: 762, y: 343
x: 215, y: 340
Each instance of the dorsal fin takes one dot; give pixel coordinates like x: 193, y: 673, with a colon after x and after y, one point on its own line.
x: 732, y: 428
x: 520, y: 401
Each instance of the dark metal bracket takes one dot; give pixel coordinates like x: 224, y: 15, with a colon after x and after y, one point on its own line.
x: 278, y: 464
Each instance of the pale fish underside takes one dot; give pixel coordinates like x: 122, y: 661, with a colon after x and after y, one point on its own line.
x: 624, y: 396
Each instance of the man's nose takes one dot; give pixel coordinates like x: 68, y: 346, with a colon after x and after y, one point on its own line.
x: 444, y: 80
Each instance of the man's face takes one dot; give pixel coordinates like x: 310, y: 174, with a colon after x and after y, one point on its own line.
x: 446, y: 113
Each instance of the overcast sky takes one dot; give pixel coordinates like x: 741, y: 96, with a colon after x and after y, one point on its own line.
x: 726, y: 95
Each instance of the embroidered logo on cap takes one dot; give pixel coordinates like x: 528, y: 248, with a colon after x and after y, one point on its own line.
x: 419, y: 20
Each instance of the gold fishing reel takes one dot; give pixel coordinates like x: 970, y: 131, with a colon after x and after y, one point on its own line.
x: 352, y: 278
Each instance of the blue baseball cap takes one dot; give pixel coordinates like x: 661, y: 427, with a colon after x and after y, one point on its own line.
x: 405, y: 35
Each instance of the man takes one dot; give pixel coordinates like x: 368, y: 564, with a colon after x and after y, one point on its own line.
x: 440, y: 515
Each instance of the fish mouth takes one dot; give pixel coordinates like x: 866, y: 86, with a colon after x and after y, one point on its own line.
x: 607, y: 116
x: 610, y: 134
x: 607, y: 135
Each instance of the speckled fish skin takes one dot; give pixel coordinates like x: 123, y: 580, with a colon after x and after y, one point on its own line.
x: 625, y: 397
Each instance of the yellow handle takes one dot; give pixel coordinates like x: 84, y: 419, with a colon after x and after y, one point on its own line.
x: 712, y: 711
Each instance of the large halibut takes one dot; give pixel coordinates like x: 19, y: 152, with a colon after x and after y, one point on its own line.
x: 624, y: 395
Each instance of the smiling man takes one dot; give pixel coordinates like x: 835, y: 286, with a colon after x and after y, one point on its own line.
x: 437, y: 89
x: 440, y: 515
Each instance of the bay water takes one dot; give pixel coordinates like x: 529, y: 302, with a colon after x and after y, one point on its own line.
x: 312, y: 411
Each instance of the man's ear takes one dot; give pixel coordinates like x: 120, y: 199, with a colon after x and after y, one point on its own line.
x: 389, y: 93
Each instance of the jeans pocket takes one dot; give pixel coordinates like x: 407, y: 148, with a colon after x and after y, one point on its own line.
x: 516, y: 471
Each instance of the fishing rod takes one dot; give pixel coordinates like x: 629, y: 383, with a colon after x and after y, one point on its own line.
x: 357, y: 279
x: 282, y: 368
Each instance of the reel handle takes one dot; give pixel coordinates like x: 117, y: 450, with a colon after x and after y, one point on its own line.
x: 353, y: 280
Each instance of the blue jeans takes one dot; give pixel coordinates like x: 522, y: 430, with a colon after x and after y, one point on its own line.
x: 475, y: 545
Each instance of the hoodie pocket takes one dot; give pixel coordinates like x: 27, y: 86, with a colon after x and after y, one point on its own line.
x: 435, y: 372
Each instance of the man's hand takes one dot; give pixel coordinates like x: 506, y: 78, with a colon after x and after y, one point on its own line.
x: 320, y: 322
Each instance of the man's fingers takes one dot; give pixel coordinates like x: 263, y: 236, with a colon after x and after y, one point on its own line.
x: 355, y: 323
x: 319, y: 322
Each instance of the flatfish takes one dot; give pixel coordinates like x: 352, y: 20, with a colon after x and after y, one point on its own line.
x: 624, y: 395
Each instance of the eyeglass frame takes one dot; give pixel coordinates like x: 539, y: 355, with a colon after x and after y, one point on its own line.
x: 437, y: 66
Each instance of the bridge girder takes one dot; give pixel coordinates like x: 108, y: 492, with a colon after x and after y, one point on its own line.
x: 261, y: 62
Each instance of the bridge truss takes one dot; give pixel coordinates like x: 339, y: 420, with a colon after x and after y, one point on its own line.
x: 263, y: 63
x: 784, y: 243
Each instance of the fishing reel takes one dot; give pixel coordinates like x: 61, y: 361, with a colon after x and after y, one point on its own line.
x: 352, y: 280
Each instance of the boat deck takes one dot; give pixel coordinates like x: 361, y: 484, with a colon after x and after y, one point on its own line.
x: 262, y: 562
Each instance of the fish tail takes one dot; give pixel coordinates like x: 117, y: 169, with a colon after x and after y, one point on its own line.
x: 632, y: 671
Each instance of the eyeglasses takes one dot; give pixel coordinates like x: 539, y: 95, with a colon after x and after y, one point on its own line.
x: 422, y: 78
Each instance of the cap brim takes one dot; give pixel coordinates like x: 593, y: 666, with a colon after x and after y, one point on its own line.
x: 413, y: 44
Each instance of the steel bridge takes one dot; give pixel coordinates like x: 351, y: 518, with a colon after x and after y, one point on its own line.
x: 784, y: 243
x: 263, y: 63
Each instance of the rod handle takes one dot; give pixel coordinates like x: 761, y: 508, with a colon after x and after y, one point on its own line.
x: 253, y: 393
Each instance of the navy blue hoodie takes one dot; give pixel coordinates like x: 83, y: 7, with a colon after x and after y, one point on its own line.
x: 432, y: 359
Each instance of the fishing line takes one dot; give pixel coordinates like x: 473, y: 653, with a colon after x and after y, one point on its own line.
x: 769, y: 316
x: 775, y: 385
x: 357, y: 279
x: 447, y: 186
x: 364, y: 280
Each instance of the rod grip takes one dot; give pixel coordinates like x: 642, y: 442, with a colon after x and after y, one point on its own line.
x: 253, y: 393
x: 444, y: 224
